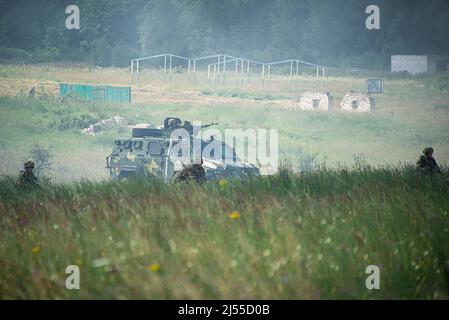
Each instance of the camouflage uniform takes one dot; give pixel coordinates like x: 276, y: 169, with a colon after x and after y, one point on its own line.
x: 193, y: 172
x: 426, y: 163
x: 32, y: 92
x: 26, y: 177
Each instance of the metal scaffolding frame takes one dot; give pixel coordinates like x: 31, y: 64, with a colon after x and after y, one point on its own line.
x: 135, y: 65
x: 216, y: 71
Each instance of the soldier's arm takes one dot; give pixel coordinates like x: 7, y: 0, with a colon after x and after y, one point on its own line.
x: 19, y: 180
x: 178, y: 176
x: 437, y: 168
x: 419, y: 163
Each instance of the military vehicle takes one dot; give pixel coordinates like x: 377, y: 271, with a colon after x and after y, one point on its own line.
x: 149, y: 151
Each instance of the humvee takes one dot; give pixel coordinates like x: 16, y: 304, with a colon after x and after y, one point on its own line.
x: 149, y: 151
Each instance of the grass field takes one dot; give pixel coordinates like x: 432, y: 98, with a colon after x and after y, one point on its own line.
x: 383, y: 138
x: 275, y: 237
x: 349, y: 198
x: 410, y: 115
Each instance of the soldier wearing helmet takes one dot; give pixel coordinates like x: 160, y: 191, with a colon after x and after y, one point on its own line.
x: 26, y: 177
x: 194, y: 172
x: 426, y: 162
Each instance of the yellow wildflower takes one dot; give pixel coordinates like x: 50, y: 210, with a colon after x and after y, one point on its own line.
x: 223, y: 183
x: 234, y: 215
x: 154, y: 267
x: 35, y: 250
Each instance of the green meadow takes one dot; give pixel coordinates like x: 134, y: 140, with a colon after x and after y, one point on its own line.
x: 394, y: 134
x: 288, y: 236
x: 347, y: 196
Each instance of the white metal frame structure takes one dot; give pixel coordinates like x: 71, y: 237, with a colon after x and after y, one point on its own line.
x: 216, y: 71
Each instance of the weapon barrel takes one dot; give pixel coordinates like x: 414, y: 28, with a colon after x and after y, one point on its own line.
x: 209, y: 125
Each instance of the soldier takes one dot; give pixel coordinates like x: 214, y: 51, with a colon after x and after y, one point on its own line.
x: 426, y: 163
x: 194, y: 172
x: 27, y: 177
x: 32, y: 92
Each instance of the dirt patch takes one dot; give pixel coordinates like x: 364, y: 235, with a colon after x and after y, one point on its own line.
x: 21, y: 87
x: 163, y: 94
x: 157, y: 93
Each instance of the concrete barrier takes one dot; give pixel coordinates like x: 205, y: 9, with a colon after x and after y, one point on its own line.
x: 357, y: 102
x: 316, y: 101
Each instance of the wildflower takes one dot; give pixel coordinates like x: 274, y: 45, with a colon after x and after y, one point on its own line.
x: 234, y: 215
x: 154, y: 267
x: 223, y: 183
x: 36, y: 250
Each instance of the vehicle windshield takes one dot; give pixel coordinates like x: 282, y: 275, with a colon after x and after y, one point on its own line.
x: 218, y: 150
x: 213, y: 150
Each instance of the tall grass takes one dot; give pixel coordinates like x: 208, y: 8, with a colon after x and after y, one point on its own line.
x: 289, y: 236
x: 383, y: 137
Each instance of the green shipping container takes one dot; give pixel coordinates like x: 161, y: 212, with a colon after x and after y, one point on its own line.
x: 96, y: 93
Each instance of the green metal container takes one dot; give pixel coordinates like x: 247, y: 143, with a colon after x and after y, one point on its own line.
x: 96, y: 93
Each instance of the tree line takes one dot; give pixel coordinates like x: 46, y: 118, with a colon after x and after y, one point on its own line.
x: 328, y: 32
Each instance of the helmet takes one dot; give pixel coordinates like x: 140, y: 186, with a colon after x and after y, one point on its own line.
x: 29, y: 164
x: 427, y: 150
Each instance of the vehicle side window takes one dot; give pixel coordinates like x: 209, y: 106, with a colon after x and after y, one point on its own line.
x: 138, y: 144
x: 127, y: 144
x: 154, y: 148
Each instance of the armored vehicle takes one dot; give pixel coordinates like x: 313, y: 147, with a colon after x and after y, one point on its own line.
x: 150, y: 150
